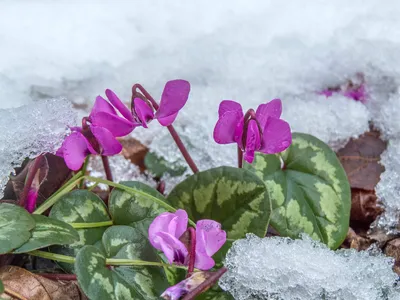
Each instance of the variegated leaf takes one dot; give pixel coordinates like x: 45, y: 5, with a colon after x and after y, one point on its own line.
x: 49, y: 232
x: 80, y: 206
x: 234, y: 197
x: 129, y: 243
x: 15, y: 227
x: 125, y: 242
x: 99, y: 282
x: 215, y: 293
x: 158, y: 166
x: 311, y: 194
x: 134, y: 210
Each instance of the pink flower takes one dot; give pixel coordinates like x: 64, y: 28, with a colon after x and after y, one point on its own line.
x: 262, y: 131
x: 173, y: 98
x: 98, y: 133
x: 167, y: 229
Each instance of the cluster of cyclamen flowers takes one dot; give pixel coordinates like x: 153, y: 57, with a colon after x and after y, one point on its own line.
x: 99, y: 131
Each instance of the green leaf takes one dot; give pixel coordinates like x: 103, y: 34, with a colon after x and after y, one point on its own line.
x: 80, y: 206
x: 134, y: 210
x: 215, y: 293
x: 234, y: 197
x: 97, y: 281
x: 1, y: 287
x: 120, y: 242
x: 158, y: 166
x: 311, y: 194
x: 15, y: 227
x: 49, y: 232
x: 125, y: 242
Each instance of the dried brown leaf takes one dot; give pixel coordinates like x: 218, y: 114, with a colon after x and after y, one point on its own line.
x: 360, y: 159
x: 31, y: 286
x: 364, y: 206
x: 135, y: 151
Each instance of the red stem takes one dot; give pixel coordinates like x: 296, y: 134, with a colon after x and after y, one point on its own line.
x: 107, y: 169
x: 29, y: 179
x: 171, y: 129
x: 209, y: 282
x: 192, y: 253
x: 240, y: 157
x: 54, y: 276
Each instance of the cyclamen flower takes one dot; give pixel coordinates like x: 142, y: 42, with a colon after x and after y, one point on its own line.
x: 173, y: 98
x: 167, y: 229
x: 262, y: 131
x: 98, y: 132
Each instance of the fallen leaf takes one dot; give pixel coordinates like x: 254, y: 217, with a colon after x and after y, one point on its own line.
x: 360, y: 159
x: 355, y: 241
x: 393, y: 249
x: 135, y: 151
x: 35, y: 287
x: 364, y: 206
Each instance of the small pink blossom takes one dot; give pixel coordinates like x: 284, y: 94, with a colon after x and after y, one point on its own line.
x: 262, y: 131
x: 174, y: 97
x: 167, y: 229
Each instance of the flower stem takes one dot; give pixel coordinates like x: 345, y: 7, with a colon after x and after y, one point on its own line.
x: 107, y: 168
x: 91, y: 224
x: 171, y: 128
x: 29, y: 179
x: 209, y: 282
x: 192, y: 253
x: 109, y: 261
x: 183, y: 149
x: 240, y: 157
x: 83, y: 170
x: 66, y: 188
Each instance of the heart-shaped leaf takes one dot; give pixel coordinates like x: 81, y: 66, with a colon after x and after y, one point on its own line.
x: 49, y: 232
x: 125, y: 242
x: 158, y: 166
x: 128, y: 243
x: 311, y: 194
x: 80, y: 206
x: 99, y: 282
x: 134, y: 210
x: 234, y: 197
x: 15, y: 227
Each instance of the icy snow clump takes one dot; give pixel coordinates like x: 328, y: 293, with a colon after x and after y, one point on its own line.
x: 284, y: 269
x: 29, y: 130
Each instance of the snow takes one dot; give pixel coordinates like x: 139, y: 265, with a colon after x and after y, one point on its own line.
x: 249, y: 52
x: 284, y: 269
x: 30, y: 130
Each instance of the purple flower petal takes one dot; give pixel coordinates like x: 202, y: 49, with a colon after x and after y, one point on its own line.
x: 143, y: 111
x: 101, y: 105
x: 172, y: 223
x: 173, y: 98
x: 174, y: 249
x: 166, y: 121
x: 276, y: 136
x: 113, y: 98
x: 107, y: 142
x: 253, y: 141
x: 31, y: 198
x: 116, y: 125
x: 74, y: 149
x: 209, y: 239
x: 227, y: 106
x: 226, y: 130
x: 270, y: 109
x: 210, y: 236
